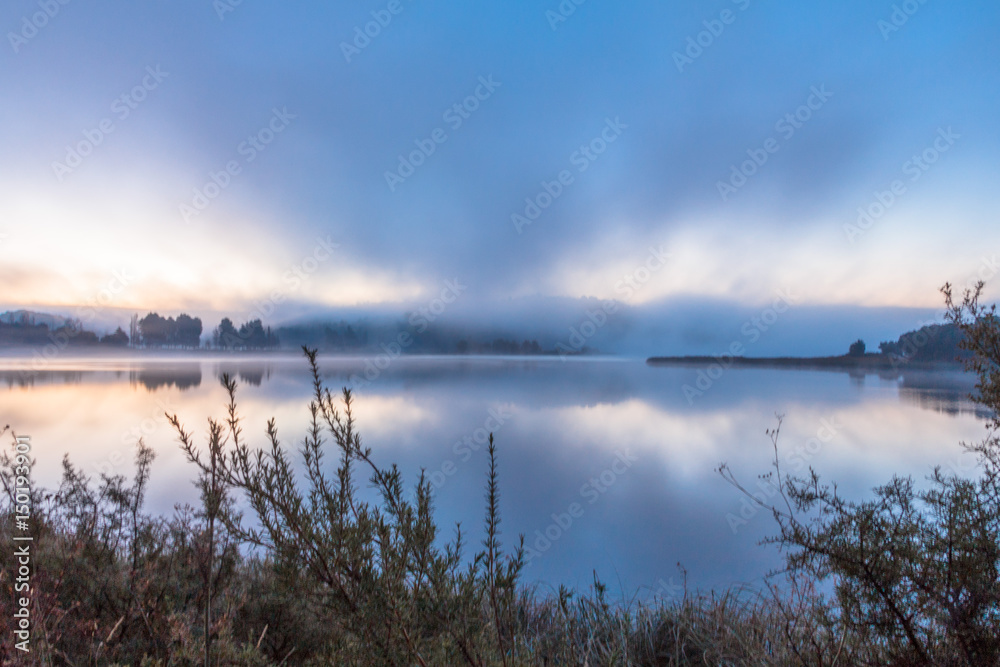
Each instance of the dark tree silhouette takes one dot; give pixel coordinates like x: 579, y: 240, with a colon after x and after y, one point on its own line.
x: 888, y: 347
x: 117, y: 339
x: 154, y: 330
x: 252, y: 335
x: 157, y: 331
x: 188, y: 331
x: 225, y: 334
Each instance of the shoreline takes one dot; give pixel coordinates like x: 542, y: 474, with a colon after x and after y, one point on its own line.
x: 210, y: 354
x: 869, y: 362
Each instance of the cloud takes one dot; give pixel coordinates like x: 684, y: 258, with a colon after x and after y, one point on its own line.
x: 324, y: 174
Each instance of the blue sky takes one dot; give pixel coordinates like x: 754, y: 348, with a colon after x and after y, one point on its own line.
x: 224, y: 75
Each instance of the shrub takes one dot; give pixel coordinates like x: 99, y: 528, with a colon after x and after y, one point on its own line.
x: 371, y: 572
x: 916, y: 572
x: 111, y: 584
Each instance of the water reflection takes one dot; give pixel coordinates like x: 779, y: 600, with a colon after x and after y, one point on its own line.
x: 941, y: 392
x: 21, y: 378
x: 251, y: 372
x: 186, y: 377
x: 604, y: 464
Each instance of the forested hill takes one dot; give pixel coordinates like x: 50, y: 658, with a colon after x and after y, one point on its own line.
x: 935, y: 342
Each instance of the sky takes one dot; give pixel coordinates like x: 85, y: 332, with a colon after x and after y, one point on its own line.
x: 213, y: 156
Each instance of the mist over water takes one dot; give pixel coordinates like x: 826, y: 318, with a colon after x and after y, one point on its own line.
x: 604, y: 463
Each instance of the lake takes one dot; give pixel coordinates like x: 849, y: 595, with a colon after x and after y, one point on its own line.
x: 605, y: 464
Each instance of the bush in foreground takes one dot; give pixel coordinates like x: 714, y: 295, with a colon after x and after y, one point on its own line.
x: 916, y: 571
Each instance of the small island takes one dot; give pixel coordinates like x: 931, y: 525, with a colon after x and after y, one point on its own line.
x: 935, y: 346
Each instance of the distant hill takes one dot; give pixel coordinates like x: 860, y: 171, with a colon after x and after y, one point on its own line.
x: 932, y: 343
x: 29, y: 318
x: 414, y: 337
x: 29, y: 328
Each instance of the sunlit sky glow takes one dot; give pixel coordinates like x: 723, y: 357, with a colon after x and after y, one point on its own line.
x: 64, y: 236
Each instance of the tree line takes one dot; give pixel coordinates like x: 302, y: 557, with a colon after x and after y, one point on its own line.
x: 499, y: 346
x: 366, y: 335
x: 157, y: 331
x: 186, y: 331
x: 252, y: 335
x: 151, y: 331
x: 930, y: 343
x: 27, y: 332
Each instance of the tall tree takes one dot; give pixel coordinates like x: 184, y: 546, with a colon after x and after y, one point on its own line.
x: 188, y: 331
x: 118, y: 339
x: 225, y: 335
x: 154, y: 330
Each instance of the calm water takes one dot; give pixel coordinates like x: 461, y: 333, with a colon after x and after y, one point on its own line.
x: 604, y: 464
